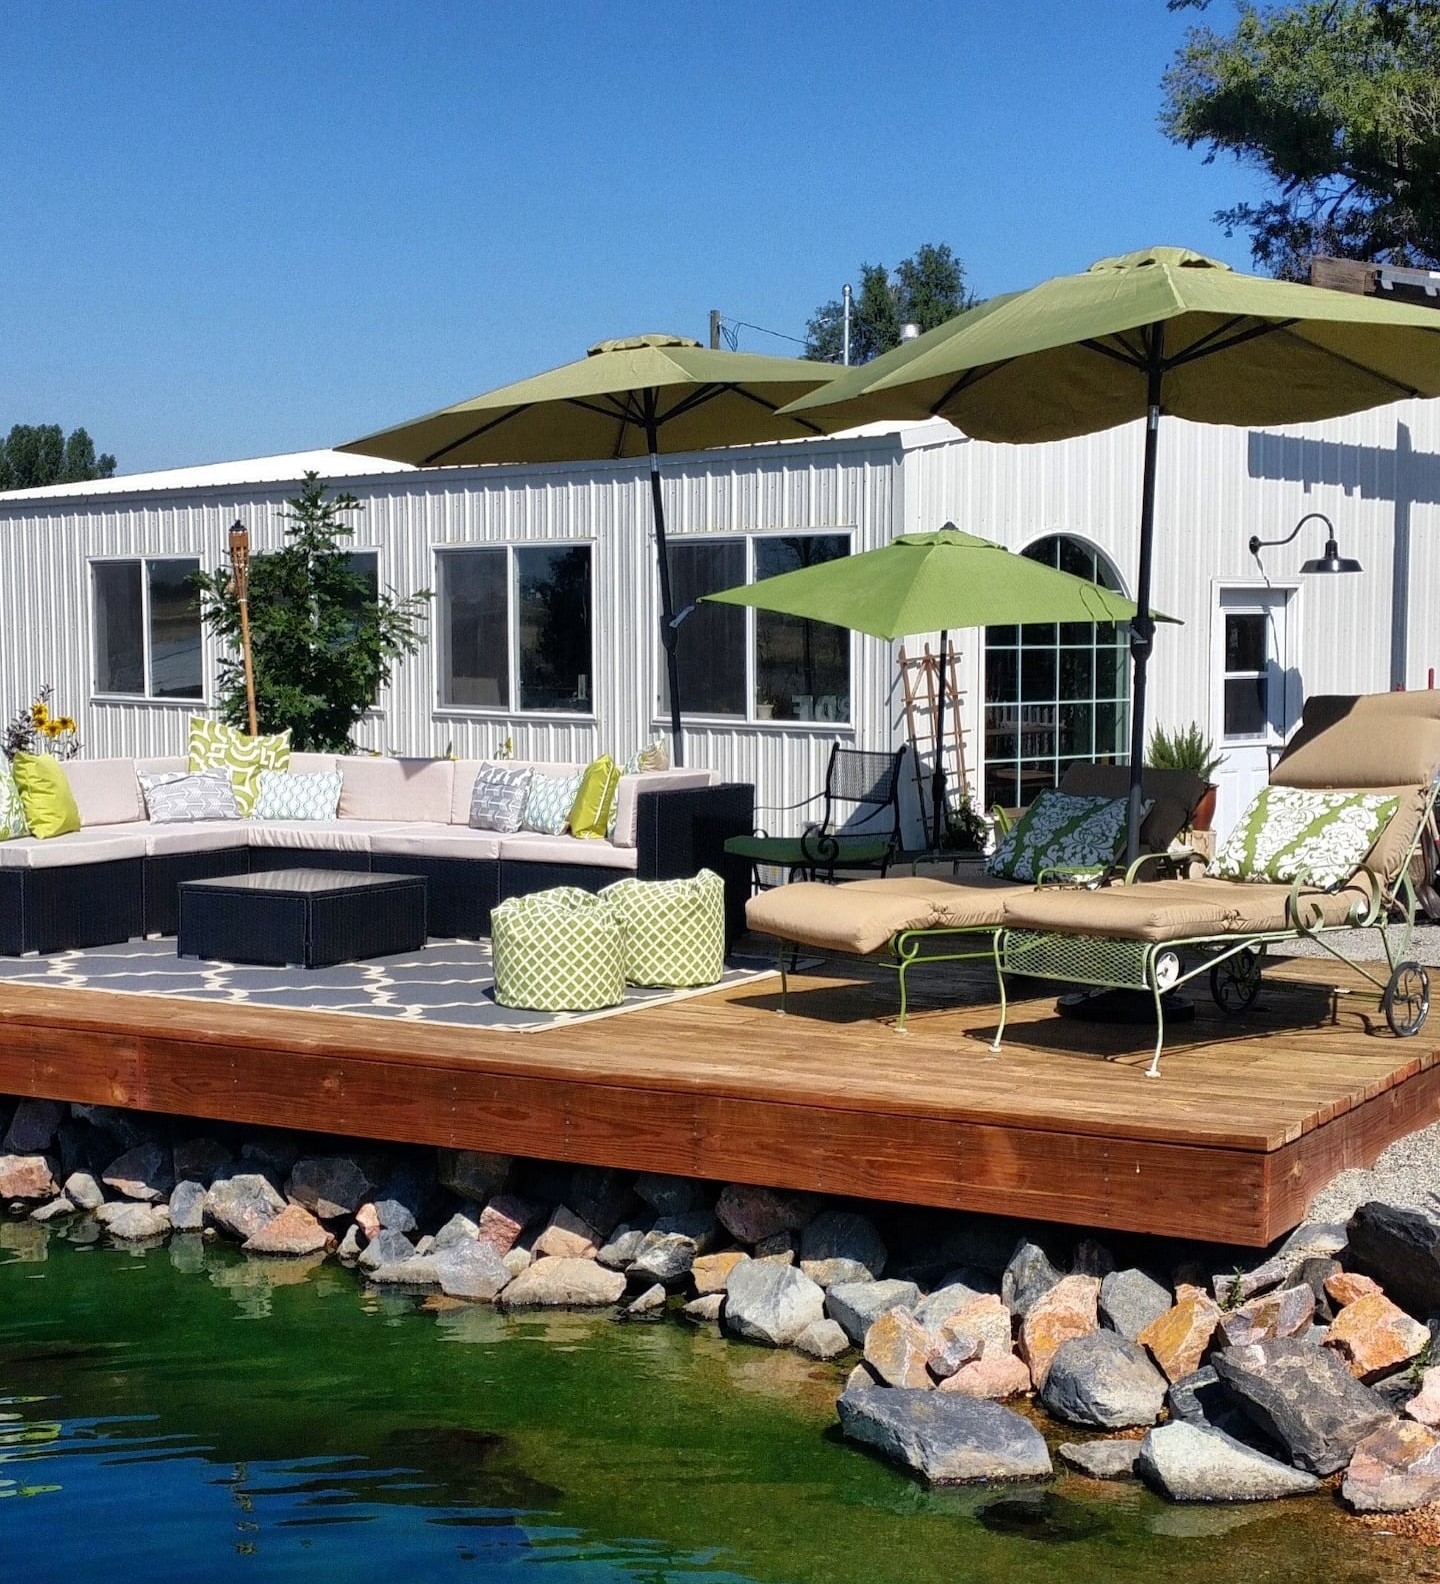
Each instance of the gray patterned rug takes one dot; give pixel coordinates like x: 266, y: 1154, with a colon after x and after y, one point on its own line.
x: 449, y: 982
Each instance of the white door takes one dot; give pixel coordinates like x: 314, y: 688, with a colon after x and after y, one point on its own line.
x: 1257, y: 692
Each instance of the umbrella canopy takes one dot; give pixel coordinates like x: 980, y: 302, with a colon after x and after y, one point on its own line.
x: 641, y: 396
x: 932, y: 582
x: 1164, y: 330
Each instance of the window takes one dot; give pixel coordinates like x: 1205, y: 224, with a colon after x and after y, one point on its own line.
x: 147, y: 628
x: 515, y: 628
x: 756, y: 663
x: 1054, y: 693
x: 1247, y: 674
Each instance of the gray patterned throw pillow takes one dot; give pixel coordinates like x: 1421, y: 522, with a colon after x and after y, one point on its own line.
x: 174, y: 796
x: 498, y: 798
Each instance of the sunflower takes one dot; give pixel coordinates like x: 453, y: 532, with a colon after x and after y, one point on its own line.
x: 39, y: 714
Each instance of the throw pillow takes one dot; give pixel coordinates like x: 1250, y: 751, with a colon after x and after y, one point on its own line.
x: 1293, y: 833
x: 216, y: 746
x: 497, y: 801
x: 654, y: 756
x: 50, y: 808
x: 548, y: 803
x: 283, y: 796
x: 12, y: 810
x: 1061, y: 831
x: 593, y: 810
x: 173, y: 797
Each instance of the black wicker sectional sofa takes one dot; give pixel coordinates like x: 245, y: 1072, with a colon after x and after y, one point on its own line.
x: 115, y: 879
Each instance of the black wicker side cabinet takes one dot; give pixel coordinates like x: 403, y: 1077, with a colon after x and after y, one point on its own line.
x: 310, y: 918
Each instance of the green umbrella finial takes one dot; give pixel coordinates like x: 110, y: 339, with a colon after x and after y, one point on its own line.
x: 1149, y: 258
x: 636, y: 343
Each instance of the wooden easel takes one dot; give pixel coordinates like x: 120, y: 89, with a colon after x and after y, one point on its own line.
x: 921, y: 678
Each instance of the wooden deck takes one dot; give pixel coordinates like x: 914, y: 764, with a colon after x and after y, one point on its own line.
x: 1247, y: 1122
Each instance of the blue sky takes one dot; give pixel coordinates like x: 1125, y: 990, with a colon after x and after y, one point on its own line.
x: 234, y: 229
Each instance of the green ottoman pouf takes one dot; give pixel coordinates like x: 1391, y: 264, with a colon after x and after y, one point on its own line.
x: 673, y: 930
x: 557, y: 951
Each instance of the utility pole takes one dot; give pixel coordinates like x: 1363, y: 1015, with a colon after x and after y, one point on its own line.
x: 714, y: 329
x: 848, y: 296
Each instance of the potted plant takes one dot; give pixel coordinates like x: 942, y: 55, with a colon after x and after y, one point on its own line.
x: 966, y: 829
x: 1188, y: 748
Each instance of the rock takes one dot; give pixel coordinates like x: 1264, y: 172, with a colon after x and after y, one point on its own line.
x: 670, y: 1195
x: 458, y: 1229
x: 601, y: 1196
x: 82, y: 1189
x: 57, y: 1210
x: 133, y: 1221
x: 33, y: 1128
x: 945, y: 1439
x: 750, y: 1215
x: 1240, y: 1286
x: 396, y: 1214
x: 1188, y: 1464
x: 899, y: 1349
x: 242, y: 1204
x: 567, y: 1236
x: 995, y: 1376
x: 470, y: 1269
x: 1104, y: 1381
x: 473, y: 1174
x: 1424, y: 1406
x: 1373, y: 1336
x: 665, y: 1257
x: 987, y: 1320
x: 823, y: 1340
x: 1344, y: 1287
x: 1304, y: 1398
x: 705, y: 1309
x: 1394, y: 1469
x: 841, y: 1246
x: 699, y: 1226
x: 390, y: 1248
x: 1028, y: 1277
x: 563, y: 1283
x: 1314, y: 1272
x: 1200, y: 1399
x: 944, y: 1302
x: 1092, y: 1258
x: 417, y: 1271
x: 516, y: 1260
x: 142, y: 1173
x: 328, y: 1186
x: 783, y: 1248
x: 1068, y: 1309
x: 771, y: 1303
x: 1317, y: 1239
x: 1178, y: 1340
x: 1130, y: 1300
x: 1101, y: 1460
x: 1287, y: 1311
x: 293, y: 1231
x: 367, y: 1219
x: 199, y: 1160
x: 651, y: 1301
x: 856, y: 1306
x: 123, y: 1126
x: 27, y: 1177
x: 349, y: 1247
x: 187, y: 1206
x: 1401, y: 1250
x: 273, y: 1152
x: 710, y: 1272
x: 623, y: 1247
x: 954, y: 1349
x: 504, y: 1218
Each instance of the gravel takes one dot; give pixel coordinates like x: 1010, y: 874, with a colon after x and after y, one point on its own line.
x: 1407, y: 1175
x: 1364, y: 945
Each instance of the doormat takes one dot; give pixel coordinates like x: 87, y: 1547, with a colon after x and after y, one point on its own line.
x: 448, y: 982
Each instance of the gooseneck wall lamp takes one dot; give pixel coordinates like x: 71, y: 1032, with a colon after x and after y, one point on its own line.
x: 1330, y: 561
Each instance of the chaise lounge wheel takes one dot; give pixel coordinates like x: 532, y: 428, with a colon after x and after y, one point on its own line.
x: 1406, y: 1002
x: 1235, y: 981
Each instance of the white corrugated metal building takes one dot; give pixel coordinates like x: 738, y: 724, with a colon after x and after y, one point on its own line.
x: 535, y: 563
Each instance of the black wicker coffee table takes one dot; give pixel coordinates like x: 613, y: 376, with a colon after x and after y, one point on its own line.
x: 310, y: 918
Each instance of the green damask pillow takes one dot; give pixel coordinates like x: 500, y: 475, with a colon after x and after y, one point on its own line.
x: 215, y: 746
x: 1061, y: 831
x: 12, y: 810
x: 1295, y: 833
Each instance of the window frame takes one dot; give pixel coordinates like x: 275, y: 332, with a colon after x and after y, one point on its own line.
x: 100, y: 695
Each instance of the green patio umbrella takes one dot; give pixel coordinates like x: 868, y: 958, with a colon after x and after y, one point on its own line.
x: 641, y: 396
x: 1162, y: 331
x: 931, y: 582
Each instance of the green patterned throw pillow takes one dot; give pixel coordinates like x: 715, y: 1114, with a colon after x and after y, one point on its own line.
x: 12, y: 810
x: 1295, y: 833
x: 215, y: 746
x: 1062, y: 831
x: 282, y: 796
x: 549, y: 801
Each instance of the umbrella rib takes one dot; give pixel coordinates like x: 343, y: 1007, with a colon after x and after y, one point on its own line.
x: 1211, y: 345
x: 474, y: 434
x: 1363, y: 368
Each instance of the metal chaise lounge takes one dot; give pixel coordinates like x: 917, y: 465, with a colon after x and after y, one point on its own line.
x: 1156, y: 937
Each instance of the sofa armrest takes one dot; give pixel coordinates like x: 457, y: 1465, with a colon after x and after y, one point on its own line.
x: 684, y: 829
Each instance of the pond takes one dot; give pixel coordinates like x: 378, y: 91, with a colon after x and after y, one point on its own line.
x: 184, y: 1413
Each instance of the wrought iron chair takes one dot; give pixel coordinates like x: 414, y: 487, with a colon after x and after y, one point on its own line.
x: 858, y: 827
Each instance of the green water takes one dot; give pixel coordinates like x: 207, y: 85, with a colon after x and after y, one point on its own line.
x: 185, y: 1414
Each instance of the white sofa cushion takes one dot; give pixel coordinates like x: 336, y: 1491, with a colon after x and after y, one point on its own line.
x: 626, y: 808
x: 103, y: 844
x: 397, y: 789
x: 531, y: 847
x: 467, y: 769
x: 342, y: 835
x: 106, y: 791
x: 312, y: 763
x: 194, y: 836
x: 438, y: 841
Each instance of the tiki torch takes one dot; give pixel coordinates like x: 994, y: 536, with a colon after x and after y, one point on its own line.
x: 240, y: 582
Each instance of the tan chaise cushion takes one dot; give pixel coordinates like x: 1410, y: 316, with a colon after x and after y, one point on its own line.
x: 1376, y: 740
x: 861, y: 916
x: 1172, y: 794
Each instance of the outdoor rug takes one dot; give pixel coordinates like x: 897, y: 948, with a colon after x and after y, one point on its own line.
x: 448, y: 982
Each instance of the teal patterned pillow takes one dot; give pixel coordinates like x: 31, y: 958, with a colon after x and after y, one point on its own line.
x: 548, y: 803
x: 1294, y: 833
x: 1062, y: 831
x: 283, y: 796
x: 12, y: 810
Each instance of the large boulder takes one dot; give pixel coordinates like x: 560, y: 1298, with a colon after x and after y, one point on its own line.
x: 32, y: 1129
x: 473, y: 1174
x: 823, y: 1340
x: 1179, y: 1339
x: 1394, y: 1469
x: 1104, y: 1381
x: 27, y: 1177
x: 242, y: 1204
x: 328, y: 1186
x: 1101, y: 1460
x: 132, y: 1221
x: 601, y: 1195
x: 710, y: 1272
x: 948, y: 1300
x: 1028, y: 1277
x: 1200, y: 1399
x: 1304, y: 1398
x: 899, y: 1350
x: 1068, y: 1309
x: 771, y: 1303
x: 1284, y: 1311
x: 1401, y: 1250
x: 664, y: 1257
x: 1375, y: 1336
x: 567, y: 1236
x: 504, y: 1218
x: 944, y: 1438
x: 750, y: 1215
x: 842, y: 1246
x: 470, y: 1269
x: 187, y: 1206
x: 1130, y: 1300
x: 199, y: 1160
x: 563, y: 1284
x: 670, y: 1195
x: 1191, y: 1464
x: 142, y: 1173
x: 388, y: 1248
x: 994, y: 1376
x: 856, y: 1306
x: 293, y: 1231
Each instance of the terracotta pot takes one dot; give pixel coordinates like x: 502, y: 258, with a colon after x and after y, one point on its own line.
x: 1204, y: 816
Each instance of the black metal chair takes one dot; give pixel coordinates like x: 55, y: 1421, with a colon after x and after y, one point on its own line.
x: 858, y: 827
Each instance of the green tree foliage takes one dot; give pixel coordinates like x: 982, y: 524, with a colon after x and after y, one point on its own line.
x: 34, y: 455
x: 1337, y: 103
x: 324, y: 640
x: 925, y: 290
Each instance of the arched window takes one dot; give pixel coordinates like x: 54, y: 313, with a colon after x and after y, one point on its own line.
x: 1054, y: 693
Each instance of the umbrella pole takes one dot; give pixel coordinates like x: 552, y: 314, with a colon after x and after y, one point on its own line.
x: 937, y: 783
x: 1142, y: 625
x: 669, y: 636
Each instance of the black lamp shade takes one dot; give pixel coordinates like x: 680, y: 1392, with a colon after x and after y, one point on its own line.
x: 1331, y: 561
